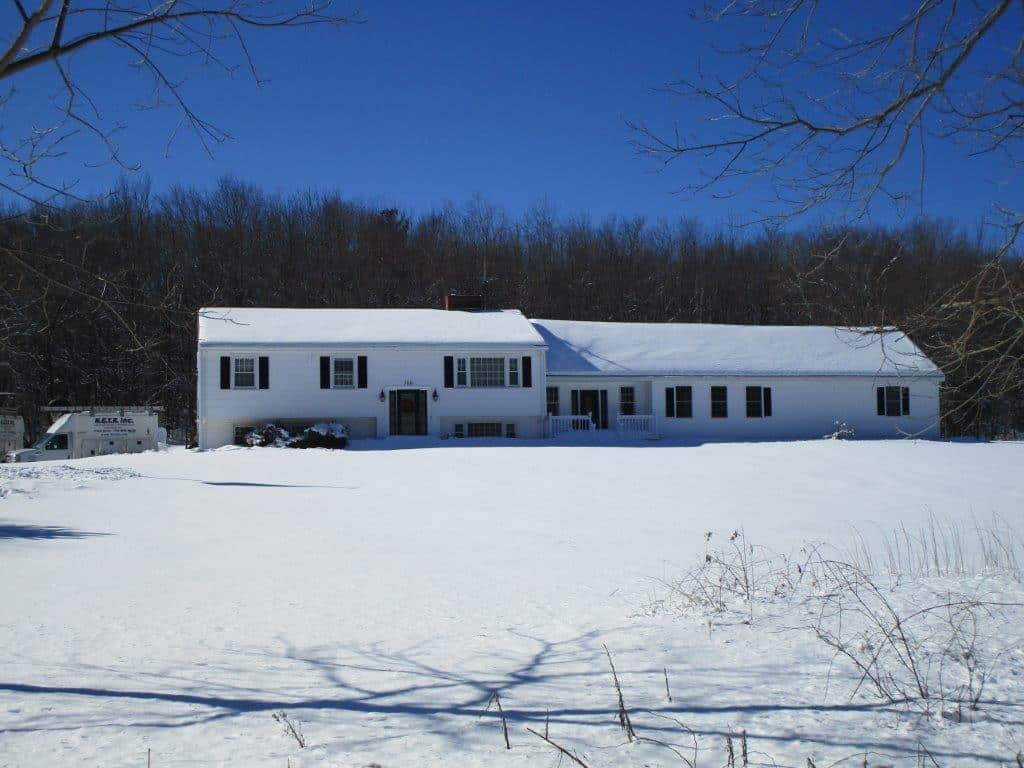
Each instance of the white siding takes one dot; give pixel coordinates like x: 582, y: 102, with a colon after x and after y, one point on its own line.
x: 294, y: 392
x: 802, y: 407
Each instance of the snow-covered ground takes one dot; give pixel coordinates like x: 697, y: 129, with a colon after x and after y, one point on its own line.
x: 174, y: 601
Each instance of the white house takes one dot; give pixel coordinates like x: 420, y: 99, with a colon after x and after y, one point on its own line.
x: 382, y: 372
x: 740, y: 382
x: 386, y: 372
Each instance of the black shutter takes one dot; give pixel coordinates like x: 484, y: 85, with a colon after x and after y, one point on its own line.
x: 670, y: 402
x: 575, y: 402
x: 361, y: 366
x: 325, y: 372
x: 880, y: 399
x: 449, y: 371
x: 393, y: 412
x: 225, y: 372
x: 905, y: 397
x: 264, y: 373
x: 604, y: 409
x: 421, y: 413
x: 527, y: 371
x: 767, y: 401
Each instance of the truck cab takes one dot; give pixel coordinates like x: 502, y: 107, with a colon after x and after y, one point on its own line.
x: 47, y: 447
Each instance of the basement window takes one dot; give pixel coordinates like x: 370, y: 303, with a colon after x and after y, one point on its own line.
x: 459, y: 430
x: 484, y: 429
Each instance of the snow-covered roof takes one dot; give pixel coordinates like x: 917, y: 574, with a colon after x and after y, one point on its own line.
x: 260, y: 326
x: 588, y: 348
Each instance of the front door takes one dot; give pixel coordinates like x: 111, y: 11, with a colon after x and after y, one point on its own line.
x: 408, y: 411
x: 592, y: 403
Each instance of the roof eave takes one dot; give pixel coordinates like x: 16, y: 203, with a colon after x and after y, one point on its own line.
x: 753, y: 374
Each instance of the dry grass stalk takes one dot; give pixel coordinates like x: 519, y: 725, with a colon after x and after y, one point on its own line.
x: 561, y: 750
x: 496, y: 700
x: 624, y: 721
x: 291, y: 728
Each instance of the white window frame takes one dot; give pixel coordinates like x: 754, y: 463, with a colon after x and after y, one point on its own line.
x: 235, y: 360
x: 461, y: 372
x: 632, y: 401
x: 512, y: 372
x: 899, y: 412
x: 352, y: 361
x: 502, y: 367
x: 548, y: 403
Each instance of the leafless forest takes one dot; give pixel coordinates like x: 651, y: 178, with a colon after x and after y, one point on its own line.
x: 114, y: 319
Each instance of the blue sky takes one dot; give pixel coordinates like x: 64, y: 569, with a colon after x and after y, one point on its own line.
x: 427, y: 103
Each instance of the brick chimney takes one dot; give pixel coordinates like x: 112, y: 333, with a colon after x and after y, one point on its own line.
x: 455, y: 302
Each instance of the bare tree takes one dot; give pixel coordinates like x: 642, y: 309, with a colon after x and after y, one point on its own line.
x: 829, y: 114
x: 836, y: 116
x: 157, y: 40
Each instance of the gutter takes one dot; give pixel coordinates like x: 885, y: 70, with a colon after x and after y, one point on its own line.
x: 750, y: 374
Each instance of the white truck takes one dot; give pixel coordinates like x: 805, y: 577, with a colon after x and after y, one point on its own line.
x: 12, y: 431
x: 94, y: 432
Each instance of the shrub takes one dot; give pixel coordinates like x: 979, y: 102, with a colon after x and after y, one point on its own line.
x: 841, y: 431
x: 267, y: 435
x: 322, y: 435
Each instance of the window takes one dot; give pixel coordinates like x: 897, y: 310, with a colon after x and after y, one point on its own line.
x: 460, y: 372
x: 679, y: 402
x: 552, y: 401
x: 759, y: 402
x: 245, y: 372
x: 342, y: 377
x: 487, y: 372
x: 719, y: 403
x: 459, y: 430
x: 484, y: 429
x: 893, y: 401
x: 510, y: 430
x: 627, y: 401
x: 57, y: 443
x: 513, y: 371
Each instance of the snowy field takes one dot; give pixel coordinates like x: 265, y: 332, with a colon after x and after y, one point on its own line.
x: 175, y: 601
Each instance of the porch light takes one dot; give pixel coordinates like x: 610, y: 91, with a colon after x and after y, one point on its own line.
x: 435, y: 396
x: 381, y: 396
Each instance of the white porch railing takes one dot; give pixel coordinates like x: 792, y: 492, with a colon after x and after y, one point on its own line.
x: 636, y: 425
x: 561, y: 425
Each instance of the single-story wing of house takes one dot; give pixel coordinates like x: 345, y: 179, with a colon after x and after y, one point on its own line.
x: 496, y: 373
